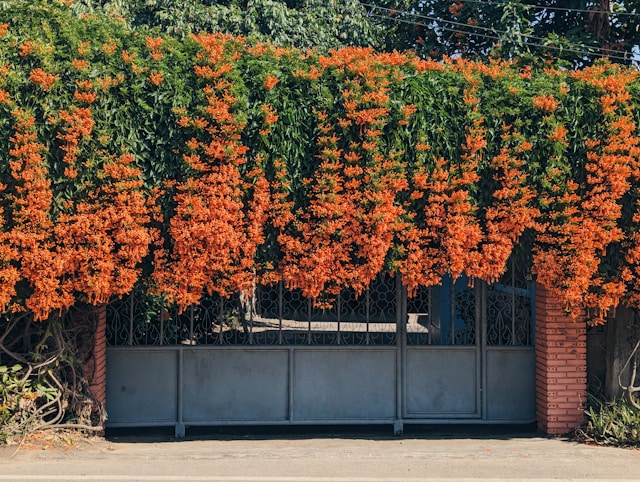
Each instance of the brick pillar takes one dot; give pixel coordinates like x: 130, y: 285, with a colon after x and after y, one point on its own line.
x: 561, y: 366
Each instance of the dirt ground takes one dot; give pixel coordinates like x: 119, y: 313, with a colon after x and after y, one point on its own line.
x: 335, y: 454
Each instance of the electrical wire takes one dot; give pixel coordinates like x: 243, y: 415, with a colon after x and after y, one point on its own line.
x: 486, y: 29
x: 613, y: 52
x: 562, y: 9
x: 494, y: 37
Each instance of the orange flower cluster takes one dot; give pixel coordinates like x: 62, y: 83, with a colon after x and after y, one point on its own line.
x: 43, y: 79
x: 545, y: 102
x: 559, y: 135
x: 270, y: 82
x: 156, y: 78
x: 571, y: 247
x: 215, y: 230
x: 104, y: 241
x: 342, y: 237
x: 154, y: 44
x: 77, y: 124
x: 79, y: 64
x: 31, y: 235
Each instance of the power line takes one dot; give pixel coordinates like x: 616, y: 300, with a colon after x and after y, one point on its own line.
x: 562, y: 9
x: 494, y: 37
x: 486, y: 29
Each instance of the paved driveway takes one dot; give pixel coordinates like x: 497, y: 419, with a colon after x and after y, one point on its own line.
x: 331, y: 455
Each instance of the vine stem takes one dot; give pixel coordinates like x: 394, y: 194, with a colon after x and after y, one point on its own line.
x: 630, y: 388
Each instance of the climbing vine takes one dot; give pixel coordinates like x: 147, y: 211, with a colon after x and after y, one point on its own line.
x: 207, y: 164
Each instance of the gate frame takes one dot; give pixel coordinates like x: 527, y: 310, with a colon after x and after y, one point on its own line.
x: 400, y: 348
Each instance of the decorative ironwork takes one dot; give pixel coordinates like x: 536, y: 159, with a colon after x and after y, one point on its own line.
x: 510, y: 308
x: 275, y: 316
x: 464, y: 315
x: 133, y: 320
x: 422, y: 327
x: 444, y: 315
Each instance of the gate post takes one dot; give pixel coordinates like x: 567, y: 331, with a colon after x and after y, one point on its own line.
x: 401, y: 340
x: 561, y: 366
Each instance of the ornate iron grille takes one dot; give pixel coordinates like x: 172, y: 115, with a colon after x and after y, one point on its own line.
x: 422, y: 327
x: 443, y: 315
x: 451, y: 314
x: 271, y: 316
x: 510, y: 308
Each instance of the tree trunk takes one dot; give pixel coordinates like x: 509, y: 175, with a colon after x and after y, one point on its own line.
x: 96, y: 366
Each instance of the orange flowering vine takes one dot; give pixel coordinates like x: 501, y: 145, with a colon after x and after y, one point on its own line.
x: 445, y: 237
x: 342, y: 237
x: 105, y: 240
x: 570, y: 250
x: 32, y: 234
x: 9, y: 252
x: 215, y: 230
x: 512, y: 210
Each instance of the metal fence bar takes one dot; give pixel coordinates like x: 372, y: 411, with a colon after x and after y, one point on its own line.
x: 309, y: 322
x: 513, y: 302
x: 132, y: 299
x: 338, y: 340
x: 220, y: 322
x: 452, y: 302
x: 250, y: 320
x: 368, y: 316
x: 161, y: 316
x: 280, y: 302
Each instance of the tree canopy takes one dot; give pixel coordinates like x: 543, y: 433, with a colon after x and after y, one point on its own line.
x: 302, y: 23
x: 578, y: 31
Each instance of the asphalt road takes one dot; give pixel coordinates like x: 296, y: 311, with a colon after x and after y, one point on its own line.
x: 325, y: 455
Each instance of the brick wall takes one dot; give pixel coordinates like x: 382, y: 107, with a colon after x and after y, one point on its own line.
x: 561, y: 366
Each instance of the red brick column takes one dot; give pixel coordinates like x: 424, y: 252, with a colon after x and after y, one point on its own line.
x: 561, y: 366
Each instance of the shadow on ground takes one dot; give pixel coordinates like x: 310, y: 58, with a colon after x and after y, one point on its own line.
x: 356, y: 432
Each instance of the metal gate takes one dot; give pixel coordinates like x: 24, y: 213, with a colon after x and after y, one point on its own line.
x: 454, y: 353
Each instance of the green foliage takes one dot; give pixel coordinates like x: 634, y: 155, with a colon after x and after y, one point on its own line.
x: 302, y: 23
x: 614, y: 423
x: 21, y: 398
x: 137, y: 117
x: 578, y: 31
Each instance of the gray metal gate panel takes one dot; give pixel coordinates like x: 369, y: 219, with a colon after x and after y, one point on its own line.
x: 442, y: 382
x: 344, y: 384
x: 462, y: 354
x: 235, y: 384
x: 511, y: 390
x: 142, y: 386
